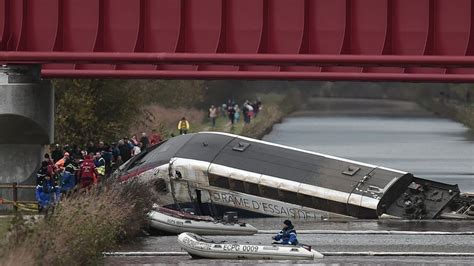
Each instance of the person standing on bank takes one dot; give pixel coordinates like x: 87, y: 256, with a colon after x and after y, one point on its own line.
x: 213, y: 115
x: 144, y: 140
x: 287, y: 235
x: 183, y: 126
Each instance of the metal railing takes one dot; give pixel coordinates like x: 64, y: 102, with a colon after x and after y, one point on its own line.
x: 15, y: 202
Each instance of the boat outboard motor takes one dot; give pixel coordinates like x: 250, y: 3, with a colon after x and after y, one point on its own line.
x: 230, y: 217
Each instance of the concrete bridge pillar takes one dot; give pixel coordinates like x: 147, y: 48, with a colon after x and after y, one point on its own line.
x: 26, y: 124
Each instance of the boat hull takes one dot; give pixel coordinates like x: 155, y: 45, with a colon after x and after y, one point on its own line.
x: 200, y: 248
x: 169, y: 224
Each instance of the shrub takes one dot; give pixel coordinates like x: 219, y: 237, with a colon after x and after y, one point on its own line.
x: 81, y: 227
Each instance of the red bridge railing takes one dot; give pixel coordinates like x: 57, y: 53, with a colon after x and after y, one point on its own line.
x: 398, y: 40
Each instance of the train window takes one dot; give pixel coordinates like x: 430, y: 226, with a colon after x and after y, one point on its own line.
x: 251, y: 188
x: 218, y: 181
x: 236, y: 185
x: 268, y: 192
x: 288, y: 196
x: 305, y: 200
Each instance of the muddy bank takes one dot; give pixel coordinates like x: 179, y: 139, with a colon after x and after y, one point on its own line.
x: 453, y: 109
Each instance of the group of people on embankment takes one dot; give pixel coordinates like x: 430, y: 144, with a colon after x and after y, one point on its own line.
x: 68, y: 168
x: 72, y: 167
x: 232, y: 111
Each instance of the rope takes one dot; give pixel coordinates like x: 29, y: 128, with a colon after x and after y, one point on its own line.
x: 19, y: 205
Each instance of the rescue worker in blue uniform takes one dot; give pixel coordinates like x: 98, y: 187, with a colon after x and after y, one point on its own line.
x: 287, y: 235
x: 46, y: 194
x: 68, y: 180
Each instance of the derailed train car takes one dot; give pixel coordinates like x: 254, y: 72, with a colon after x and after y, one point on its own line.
x: 217, y: 172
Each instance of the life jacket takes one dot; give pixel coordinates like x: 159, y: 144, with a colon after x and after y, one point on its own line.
x: 60, y: 163
x: 183, y: 124
x: 101, y: 167
x: 287, y: 236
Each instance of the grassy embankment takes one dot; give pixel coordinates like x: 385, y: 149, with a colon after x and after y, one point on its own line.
x: 459, y: 111
x: 454, y: 101
x: 275, y: 108
x: 4, y: 225
x: 81, y: 227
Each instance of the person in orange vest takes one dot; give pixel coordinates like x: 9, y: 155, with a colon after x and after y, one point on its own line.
x: 62, y: 162
x: 87, y: 173
x: 183, y: 126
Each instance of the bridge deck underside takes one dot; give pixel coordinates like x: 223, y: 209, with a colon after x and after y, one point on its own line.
x: 402, y: 40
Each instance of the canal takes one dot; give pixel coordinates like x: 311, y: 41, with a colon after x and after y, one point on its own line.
x: 393, y: 134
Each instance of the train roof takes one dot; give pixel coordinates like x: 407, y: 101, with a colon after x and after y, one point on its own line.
x: 268, y: 159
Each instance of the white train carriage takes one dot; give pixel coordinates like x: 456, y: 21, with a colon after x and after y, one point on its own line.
x: 217, y: 172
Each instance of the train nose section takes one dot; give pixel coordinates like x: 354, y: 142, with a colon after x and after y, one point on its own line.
x: 417, y: 198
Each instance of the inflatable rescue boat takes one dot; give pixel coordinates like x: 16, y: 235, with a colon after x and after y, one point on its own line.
x: 176, y: 222
x: 199, y: 247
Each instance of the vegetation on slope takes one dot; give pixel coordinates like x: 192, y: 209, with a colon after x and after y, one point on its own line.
x: 81, y: 227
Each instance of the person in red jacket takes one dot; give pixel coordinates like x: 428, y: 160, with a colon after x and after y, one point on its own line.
x: 87, y: 172
x: 155, y: 138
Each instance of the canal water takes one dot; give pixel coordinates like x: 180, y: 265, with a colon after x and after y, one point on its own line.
x: 393, y: 134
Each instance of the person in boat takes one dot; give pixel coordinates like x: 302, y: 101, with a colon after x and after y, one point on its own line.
x: 287, y: 235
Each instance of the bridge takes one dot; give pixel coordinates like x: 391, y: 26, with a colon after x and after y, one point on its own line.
x: 365, y: 40
x: 371, y: 40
